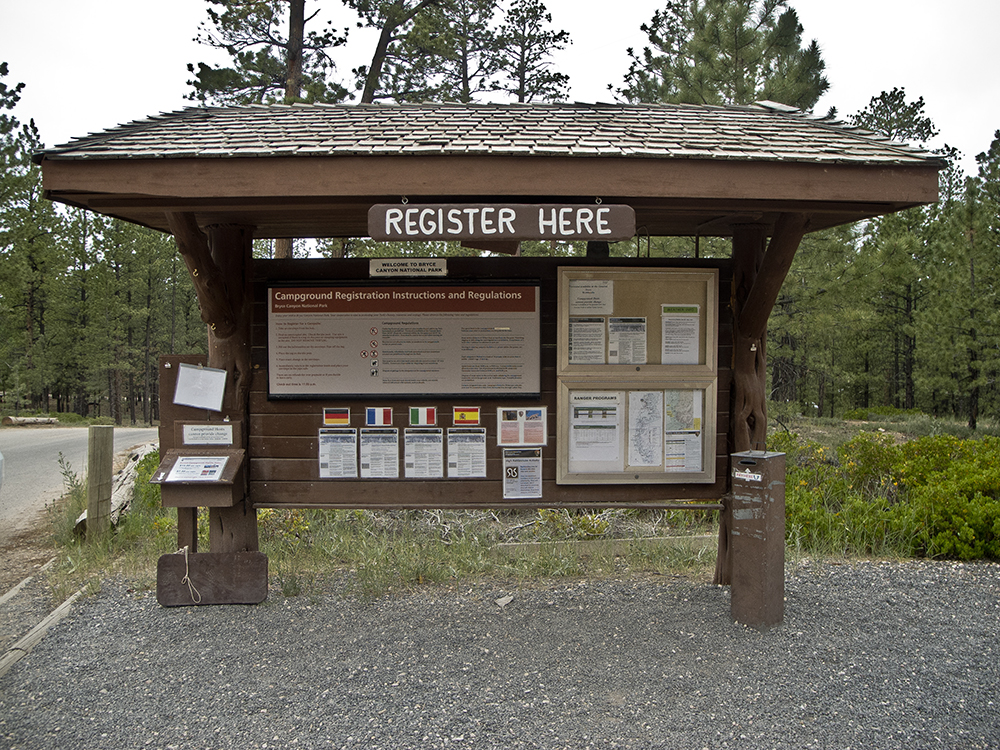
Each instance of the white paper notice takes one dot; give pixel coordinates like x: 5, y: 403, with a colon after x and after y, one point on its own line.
x: 645, y: 428
x: 595, y: 431
x: 681, y: 335
x: 466, y: 452
x: 682, y: 451
x: 591, y: 297
x: 338, y: 453
x: 197, y: 469
x: 627, y: 341
x: 423, y: 453
x: 200, y: 387
x: 586, y: 341
x: 682, y: 421
x: 379, y: 453
x: 522, y: 473
x: 522, y: 426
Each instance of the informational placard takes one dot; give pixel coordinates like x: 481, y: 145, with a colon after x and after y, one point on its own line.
x: 522, y: 473
x: 587, y: 342
x: 423, y: 453
x: 591, y: 296
x: 626, y: 341
x: 379, y: 453
x: 595, y: 431
x: 338, y: 453
x: 519, y: 426
x: 403, y: 340
x: 380, y: 268
x: 200, y: 387
x: 197, y: 469
x: 220, y: 433
x: 466, y: 452
x: 680, y: 334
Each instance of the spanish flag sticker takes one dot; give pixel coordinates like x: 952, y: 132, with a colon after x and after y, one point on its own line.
x: 466, y: 415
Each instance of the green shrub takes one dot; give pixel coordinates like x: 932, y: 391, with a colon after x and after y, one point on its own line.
x: 936, y: 496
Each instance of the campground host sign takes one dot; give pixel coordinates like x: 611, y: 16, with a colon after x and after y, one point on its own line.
x: 500, y: 222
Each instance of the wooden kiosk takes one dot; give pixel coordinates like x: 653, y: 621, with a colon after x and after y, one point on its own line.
x: 500, y: 381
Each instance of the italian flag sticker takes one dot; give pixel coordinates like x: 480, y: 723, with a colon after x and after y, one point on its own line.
x: 378, y: 416
x: 423, y: 415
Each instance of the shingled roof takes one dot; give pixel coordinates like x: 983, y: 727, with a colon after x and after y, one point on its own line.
x: 314, y: 170
x: 761, y: 132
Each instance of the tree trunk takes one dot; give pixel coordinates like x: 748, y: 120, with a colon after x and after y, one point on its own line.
x: 758, y: 272
x: 234, y: 529
x: 396, y: 15
x: 293, y: 59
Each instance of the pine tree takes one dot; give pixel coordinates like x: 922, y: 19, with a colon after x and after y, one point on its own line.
x: 726, y: 52
x: 273, y: 58
x: 525, y: 69
x: 393, y: 73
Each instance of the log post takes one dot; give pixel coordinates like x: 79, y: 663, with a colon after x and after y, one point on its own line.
x: 219, y: 262
x: 100, y: 468
x: 759, y: 269
x: 234, y: 529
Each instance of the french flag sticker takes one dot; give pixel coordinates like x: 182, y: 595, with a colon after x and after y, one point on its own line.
x: 378, y: 416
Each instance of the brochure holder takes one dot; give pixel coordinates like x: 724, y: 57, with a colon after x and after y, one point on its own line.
x: 206, y: 478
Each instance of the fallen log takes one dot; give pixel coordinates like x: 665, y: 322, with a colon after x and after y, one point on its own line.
x: 20, y: 421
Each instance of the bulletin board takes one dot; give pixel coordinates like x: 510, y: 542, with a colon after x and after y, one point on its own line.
x: 637, y: 375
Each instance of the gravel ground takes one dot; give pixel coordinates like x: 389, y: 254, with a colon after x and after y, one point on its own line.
x: 871, y: 655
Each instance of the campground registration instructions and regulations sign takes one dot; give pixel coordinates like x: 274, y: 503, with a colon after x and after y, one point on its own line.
x: 441, y: 339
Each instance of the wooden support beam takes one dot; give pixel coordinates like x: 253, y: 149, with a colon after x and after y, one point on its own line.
x: 759, y: 269
x: 216, y: 306
x: 788, y: 233
x: 234, y: 529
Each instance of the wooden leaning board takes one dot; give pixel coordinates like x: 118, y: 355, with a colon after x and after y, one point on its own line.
x: 215, y: 578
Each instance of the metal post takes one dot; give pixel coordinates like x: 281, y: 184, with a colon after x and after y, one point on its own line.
x: 758, y: 538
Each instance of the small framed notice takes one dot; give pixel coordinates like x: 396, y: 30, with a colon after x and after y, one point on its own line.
x: 200, y: 387
x: 522, y: 473
x: 218, y: 433
x: 522, y: 426
x: 197, y: 469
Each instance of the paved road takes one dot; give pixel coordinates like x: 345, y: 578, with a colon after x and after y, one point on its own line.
x: 32, y: 476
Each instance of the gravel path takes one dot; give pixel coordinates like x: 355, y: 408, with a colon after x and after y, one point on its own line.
x: 871, y: 655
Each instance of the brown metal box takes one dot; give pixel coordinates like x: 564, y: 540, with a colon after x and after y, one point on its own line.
x: 758, y: 538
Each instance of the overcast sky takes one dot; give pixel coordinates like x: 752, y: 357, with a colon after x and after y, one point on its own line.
x: 91, y: 64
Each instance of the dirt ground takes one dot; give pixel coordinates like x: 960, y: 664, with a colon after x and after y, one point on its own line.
x: 23, y: 555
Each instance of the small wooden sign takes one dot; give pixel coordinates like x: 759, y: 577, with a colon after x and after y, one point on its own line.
x: 501, y: 222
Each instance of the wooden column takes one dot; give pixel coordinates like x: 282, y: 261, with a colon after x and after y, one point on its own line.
x: 234, y: 529
x: 218, y: 260
x: 759, y: 269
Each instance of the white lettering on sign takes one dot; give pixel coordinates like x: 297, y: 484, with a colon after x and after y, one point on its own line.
x: 501, y: 222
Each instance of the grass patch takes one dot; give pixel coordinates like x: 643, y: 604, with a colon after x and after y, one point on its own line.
x: 370, y: 553
x: 131, y: 549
